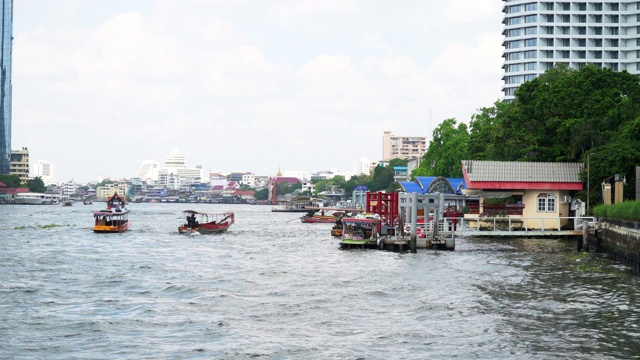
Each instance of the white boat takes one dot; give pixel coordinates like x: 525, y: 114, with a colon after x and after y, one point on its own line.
x: 30, y: 198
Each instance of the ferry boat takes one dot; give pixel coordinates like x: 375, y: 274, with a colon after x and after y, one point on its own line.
x: 209, y: 222
x: 115, y: 218
x: 359, y: 232
x: 31, y: 198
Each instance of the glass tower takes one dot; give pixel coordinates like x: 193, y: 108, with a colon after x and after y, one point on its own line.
x: 5, y: 85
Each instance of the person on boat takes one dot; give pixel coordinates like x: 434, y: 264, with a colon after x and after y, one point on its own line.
x: 191, y: 220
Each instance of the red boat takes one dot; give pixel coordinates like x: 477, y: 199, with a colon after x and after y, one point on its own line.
x: 206, y: 222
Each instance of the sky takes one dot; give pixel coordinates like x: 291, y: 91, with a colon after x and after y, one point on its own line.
x: 99, y: 86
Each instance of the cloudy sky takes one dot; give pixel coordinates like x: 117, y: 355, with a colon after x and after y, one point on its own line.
x: 99, y: 86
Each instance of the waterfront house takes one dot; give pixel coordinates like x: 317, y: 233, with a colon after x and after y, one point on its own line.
x: 540, y: 192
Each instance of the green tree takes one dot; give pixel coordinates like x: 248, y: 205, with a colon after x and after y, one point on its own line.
x: 447, y: 148
x: 36, y: 185
x: 262, y: 194
x: 12, y: 181
x: 382, y: 178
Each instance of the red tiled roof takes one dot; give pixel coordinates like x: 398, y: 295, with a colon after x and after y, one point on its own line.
x: 281, y: 179
x: 13, y: 191
x: 2, y: 184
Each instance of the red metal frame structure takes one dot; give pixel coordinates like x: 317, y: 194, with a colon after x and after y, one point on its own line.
x: 383, y: 204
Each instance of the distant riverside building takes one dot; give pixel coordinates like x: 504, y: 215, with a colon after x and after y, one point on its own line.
x: 46, y: 171
x: 69, y: 188
x: 362, y: 166
x: 149, y: 171
x: 5, y: 86
x: 20, y: 164
x: 541, y: 34
x: 175, y: 173
x: 105, y: 192
x: 402, y: 147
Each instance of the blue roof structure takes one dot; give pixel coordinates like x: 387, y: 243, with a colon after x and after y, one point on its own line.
x: 433, y: 184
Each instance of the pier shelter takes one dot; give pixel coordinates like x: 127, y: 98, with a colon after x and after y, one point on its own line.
x: 522, y: 195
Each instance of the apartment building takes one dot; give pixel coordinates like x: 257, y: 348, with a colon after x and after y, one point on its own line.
x: 20, y: 164
x: 402, y: 147
x: 541, y: 34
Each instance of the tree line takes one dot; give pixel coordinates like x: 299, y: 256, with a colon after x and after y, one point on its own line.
x: 564, y: 115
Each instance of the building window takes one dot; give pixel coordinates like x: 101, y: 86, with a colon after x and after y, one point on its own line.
x: 565, y: 6
x: 598, y: 18
x: 531, y: 54
x: 530, y: 66
x: 565, y: 30
x: 614, y: 31
x: 597, y: 6
x: 530, y: 7
x: 566, y: 19
x: 597, y: 54
x: 597, y: 43
x: 597, y: 30
x: 614, y: 42
x: 564, y: 54
x: 582, y: 54
x: 533, y: 30
x: 513, y: 32
x: 530, y: 18
x: 582, y: 42
x: 514, y: 21
x: 582, y: 30
x: 582, y: 7
x: 532, y: 42
x: 546, y: 203
x: 565, y: 42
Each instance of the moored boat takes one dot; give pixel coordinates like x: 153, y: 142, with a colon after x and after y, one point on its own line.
x: 207, y: 222
x: 359, y: 232
x: 32, y: 198
x: 115, y: 218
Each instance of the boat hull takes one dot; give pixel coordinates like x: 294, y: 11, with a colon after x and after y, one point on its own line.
x: 111, y: 228
x: 205, y: 229
x: 318, y: 219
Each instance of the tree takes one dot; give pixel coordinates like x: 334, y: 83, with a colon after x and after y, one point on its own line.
x: 262, y: 194
x: 12, y: 181
x: 382, y: 178
x: 36, y: 185
x: 447, y: 148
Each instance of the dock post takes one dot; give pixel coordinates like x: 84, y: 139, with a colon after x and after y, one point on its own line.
x: 414, y: 223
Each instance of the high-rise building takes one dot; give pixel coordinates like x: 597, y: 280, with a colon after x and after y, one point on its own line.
x: 46, y: 171
x: 402, y: 147
x: 149, y: 171
x: 362, y: 166
x: 541, y: 34
x: 5, y: 85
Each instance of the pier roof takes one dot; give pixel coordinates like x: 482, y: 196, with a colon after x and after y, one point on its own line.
x: 521, y: 175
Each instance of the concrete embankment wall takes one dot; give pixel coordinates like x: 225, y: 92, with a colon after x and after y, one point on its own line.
x: 620, y: 239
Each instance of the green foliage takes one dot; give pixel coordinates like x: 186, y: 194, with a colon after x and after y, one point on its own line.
x: 628, y: 210
x: 262, y: 194
x: 284, y: 188
x: 382, y: 178
x: 36, y: 185
x: 447, y: 148
x: 398, y: 162
x: 12, y: 181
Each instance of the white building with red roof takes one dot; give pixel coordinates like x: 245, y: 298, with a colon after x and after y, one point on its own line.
x: 540, y: 192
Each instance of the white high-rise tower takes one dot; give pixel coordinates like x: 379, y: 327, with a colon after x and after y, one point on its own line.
x: 541, y: 34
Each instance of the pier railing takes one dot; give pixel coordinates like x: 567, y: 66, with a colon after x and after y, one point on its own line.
x: 506, y: 226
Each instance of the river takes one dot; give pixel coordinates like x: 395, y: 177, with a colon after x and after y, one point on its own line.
x: 274, y: 288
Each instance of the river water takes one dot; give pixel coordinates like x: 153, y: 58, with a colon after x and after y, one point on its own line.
x: 275, y: 288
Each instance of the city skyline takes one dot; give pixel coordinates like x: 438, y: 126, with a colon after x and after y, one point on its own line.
x: 99, y: 86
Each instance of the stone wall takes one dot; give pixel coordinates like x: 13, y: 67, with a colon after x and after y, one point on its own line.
x: 621, y: 240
